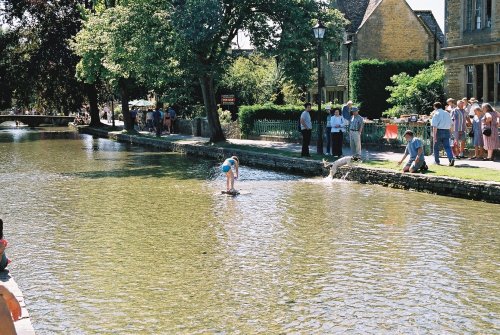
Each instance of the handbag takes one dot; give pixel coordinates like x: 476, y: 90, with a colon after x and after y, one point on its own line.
x: 471, y: 133
x: 487, y: 131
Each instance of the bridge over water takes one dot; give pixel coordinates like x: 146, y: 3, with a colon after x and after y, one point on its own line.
x: 37, y: 120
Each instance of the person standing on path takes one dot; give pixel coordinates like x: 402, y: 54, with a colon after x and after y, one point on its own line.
x: 306, y: 129
x: 355, y: 131
x: 490, y: 121
x: 337, y: 132
x: 458, y: 116
x: 441, y: 124
x: 475, y: 121
x: 328, y: 131
x: 346, y: 111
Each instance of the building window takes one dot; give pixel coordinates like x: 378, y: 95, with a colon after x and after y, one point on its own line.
x: 488, y: 14
x: 477, y: 14
x: 479, y: 82
x: 468, y: 15
x: 498, y: 83
x: 469, y: 73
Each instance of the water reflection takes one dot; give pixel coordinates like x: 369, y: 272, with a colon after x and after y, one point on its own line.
x: 113, y: 238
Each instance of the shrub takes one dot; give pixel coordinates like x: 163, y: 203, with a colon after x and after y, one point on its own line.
x: 369, y: 78
x: 248, y: 114
x: 224, y: 116
x: 417, y: 94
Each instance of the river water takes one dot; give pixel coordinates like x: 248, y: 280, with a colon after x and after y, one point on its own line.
x: 108, y: 238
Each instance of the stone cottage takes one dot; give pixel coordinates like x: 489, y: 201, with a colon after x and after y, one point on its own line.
x: 472, y: 49
x: 379, y: 29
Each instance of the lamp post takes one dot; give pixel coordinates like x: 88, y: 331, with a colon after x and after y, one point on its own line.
x: 319, y: 33
x: 348, y: 45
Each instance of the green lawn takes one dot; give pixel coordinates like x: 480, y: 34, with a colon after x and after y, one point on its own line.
x: 465, y: 172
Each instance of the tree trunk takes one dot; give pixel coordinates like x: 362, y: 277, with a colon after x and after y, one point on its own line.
x: 127, y: 122
x: 207, y: 88
x: 91, y: 91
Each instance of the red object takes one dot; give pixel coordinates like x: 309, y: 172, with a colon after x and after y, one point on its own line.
x: 391, y: 131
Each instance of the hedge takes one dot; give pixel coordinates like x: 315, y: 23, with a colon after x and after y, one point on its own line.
x: 370, y: 77
x: 248, y: 114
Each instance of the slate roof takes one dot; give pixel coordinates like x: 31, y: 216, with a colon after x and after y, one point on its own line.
x: 358, y: 11
x: 430, y: 21
x: 354, y: 11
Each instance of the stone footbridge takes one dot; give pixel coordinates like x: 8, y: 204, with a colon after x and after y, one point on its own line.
x: 37, y: 120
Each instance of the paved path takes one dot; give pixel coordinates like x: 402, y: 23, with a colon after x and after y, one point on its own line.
x: 367, y: 154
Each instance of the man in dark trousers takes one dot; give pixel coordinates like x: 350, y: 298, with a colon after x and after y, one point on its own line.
x: 157, y: 121
x: 306, y: 129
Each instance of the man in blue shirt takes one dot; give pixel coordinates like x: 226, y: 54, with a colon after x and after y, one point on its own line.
x: 346, y: 110
x: 415, y: 149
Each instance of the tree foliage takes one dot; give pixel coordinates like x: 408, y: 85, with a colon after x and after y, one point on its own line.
x: 203, y: 31
x: 251, y: 79
x: 369, y: 77
x: 418, y: 93
x: 39, y: 64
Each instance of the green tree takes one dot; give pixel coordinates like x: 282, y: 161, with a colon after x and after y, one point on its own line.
x: 40, y: 64
x: 416, y: 94
x: 203, y: 31
x: 124, y: 46
x: 252, y: 79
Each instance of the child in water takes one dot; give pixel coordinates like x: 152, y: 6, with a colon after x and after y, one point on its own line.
x: 4, y: 261
x: 227, y: 168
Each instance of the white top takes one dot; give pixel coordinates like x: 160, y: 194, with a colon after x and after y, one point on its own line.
x: 441, y: 119
x: 337, y: 123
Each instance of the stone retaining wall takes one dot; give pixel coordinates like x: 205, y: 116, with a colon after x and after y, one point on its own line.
x: 467, y: 189
x: 453, y: 187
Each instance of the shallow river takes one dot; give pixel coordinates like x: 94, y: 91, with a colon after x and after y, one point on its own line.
x: 108, y: 238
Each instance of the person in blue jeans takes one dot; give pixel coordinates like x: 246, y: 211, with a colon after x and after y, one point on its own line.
x: 441, y: 125
x: 415, y: 150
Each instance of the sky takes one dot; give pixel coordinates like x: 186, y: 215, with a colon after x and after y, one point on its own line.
x: 436, y: 6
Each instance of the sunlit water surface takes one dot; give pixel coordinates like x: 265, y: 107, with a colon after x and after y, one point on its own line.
x: 108, y: 238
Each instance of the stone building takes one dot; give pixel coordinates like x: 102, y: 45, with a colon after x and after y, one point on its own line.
x: 472, y: 50
x: 379, y: 29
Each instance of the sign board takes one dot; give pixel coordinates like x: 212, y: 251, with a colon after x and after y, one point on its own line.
x: 228, y: 99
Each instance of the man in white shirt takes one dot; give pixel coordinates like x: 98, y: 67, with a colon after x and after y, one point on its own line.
x: 441, y: 125
x: 306, y: 129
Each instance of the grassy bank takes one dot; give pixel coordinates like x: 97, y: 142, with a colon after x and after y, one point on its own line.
x: 461, y: 172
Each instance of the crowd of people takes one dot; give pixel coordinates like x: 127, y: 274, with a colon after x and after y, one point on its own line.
x: 156, y: 121
x: 338, y: 120
x: 450, y: 127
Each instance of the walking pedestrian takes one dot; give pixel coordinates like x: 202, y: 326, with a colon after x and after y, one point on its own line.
x: 441, y: 124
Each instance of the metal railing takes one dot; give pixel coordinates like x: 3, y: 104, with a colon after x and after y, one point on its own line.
x: 373, y: 133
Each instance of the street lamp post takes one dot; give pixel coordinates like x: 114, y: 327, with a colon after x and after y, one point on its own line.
x: 319, y: 33
x: 348, y: 45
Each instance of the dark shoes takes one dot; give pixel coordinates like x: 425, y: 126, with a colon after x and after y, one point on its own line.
x: 452, y: 162
x: 424, y: 167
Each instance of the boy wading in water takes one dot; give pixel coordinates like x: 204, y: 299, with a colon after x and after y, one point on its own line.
x: 227, y: 168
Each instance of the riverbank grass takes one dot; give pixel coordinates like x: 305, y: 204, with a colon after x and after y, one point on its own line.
x: 461, y: 172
